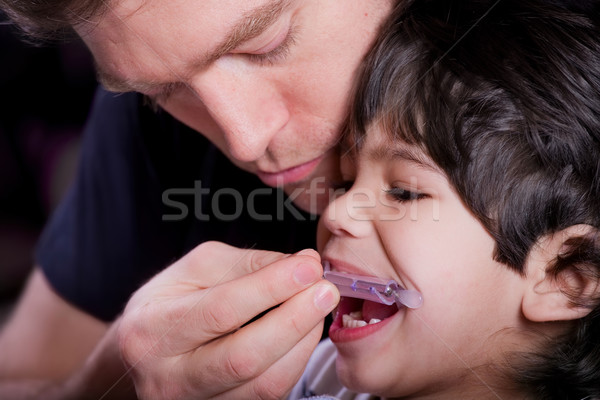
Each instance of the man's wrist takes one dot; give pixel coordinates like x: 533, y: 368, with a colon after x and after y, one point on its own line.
x: 103, y: 375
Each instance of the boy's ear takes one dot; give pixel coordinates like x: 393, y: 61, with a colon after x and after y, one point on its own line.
x: 550, y: 296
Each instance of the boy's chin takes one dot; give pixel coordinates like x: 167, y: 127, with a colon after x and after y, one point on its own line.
x: 351, y: 377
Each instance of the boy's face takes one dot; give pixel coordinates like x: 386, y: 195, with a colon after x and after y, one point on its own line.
x: 266, y: 80
x: 402, y: 220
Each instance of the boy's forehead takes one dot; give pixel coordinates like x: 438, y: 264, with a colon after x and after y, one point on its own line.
x: 378, y: 145
x: 375, y: 141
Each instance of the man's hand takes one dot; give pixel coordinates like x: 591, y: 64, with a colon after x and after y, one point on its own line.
x: 185, y: 334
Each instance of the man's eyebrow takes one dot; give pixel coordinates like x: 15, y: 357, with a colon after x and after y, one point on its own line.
x: 252, y: 24
x: 113, y: 83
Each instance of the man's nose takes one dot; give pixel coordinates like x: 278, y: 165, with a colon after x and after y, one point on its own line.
x: 247, y: 107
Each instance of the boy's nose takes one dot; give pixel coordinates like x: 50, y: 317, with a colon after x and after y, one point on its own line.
x: 351, y: 214
x: 250, y: 112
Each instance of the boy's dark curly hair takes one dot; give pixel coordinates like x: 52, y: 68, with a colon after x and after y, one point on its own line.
x: 505, y: 97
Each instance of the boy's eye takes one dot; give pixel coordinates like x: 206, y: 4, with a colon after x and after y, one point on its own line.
x: 401, y: 195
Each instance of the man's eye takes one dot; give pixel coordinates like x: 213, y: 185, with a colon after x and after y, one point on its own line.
x: 402, y: 195
x: 278, y: 53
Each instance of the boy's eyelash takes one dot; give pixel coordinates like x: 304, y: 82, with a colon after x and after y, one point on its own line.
x: 278, y: 53
x: 402, y: 195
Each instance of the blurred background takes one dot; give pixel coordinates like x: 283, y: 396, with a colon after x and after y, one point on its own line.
x: 45, y: 94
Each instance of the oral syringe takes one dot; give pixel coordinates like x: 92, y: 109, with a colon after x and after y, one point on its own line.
x: 384, y: 291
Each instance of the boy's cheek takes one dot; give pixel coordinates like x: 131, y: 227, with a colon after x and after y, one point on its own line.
x: 323, y: 235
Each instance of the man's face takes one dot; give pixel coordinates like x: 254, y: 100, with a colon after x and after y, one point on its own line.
x: 267, y: 81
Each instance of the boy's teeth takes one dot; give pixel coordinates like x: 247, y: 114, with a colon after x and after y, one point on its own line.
x: 354, y: 320
x: 356, y: 315
x: 352, y: 323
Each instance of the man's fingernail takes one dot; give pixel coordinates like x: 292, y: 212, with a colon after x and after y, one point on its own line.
x: 305, y: 251
x: 305, y: 274
x: 325, y: 298
x: 308, y: 252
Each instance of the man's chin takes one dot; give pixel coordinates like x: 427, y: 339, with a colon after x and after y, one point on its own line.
x: 314, y: 193
x: 312, y: 196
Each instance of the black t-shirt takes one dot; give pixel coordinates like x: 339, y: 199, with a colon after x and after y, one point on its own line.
x: 148, y: 190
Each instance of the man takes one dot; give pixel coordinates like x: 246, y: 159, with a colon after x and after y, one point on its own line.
x: 266, y: 81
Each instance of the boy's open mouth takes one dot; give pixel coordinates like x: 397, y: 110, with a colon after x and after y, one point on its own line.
x: 356, y: 313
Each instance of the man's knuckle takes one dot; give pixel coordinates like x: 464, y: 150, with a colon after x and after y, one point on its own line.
x: 296, y: 326
x: 256, y: 260
x: 240, y: 366
x: 218, y: 319
x: 130, y: 339
x: 267, y: 389
x: 206, y: 250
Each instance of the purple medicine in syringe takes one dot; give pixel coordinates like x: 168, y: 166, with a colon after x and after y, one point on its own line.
x: 384, y: 291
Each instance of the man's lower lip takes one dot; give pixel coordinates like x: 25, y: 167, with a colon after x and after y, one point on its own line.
x: 289, y: 175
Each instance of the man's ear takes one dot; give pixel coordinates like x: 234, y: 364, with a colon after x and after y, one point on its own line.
x: 560, y: 294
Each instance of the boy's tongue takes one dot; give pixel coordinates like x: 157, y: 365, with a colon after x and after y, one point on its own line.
x: 372, y: 310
